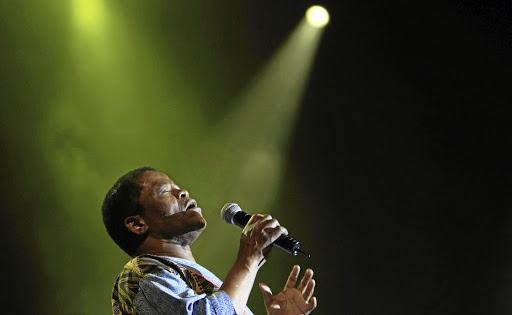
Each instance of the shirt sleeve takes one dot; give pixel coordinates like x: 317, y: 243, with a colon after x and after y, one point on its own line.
x: 166, y: 293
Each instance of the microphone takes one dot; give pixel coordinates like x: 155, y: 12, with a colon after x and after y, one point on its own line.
x: 233, y: 214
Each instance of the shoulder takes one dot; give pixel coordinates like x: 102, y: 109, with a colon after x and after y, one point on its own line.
x: 142, y: 265
x: 128, y: 282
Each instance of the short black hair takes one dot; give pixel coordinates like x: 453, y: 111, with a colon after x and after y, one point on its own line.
x: 122, y: 201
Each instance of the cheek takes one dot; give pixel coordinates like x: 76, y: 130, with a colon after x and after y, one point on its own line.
x: 160, y: 210
x: 166, y: 209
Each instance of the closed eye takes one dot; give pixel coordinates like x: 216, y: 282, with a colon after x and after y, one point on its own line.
x: 166, y: 187
x: 163, y: 191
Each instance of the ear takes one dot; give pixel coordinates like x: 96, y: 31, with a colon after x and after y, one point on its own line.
x: 136, y: 224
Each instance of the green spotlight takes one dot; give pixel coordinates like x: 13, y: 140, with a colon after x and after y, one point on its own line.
x: 89, y: 14
x: 317, y: 16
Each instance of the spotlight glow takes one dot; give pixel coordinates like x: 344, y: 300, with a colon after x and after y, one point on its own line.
x: 317, y: 16
x: 89, y: 15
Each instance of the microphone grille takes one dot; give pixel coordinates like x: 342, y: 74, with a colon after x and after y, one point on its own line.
x: 228, y: 212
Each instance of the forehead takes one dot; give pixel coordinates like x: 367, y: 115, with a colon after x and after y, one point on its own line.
x: 151, y: 178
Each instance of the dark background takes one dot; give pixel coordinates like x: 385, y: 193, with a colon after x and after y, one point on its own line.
x: 408, y: 154
x: 400, y: 154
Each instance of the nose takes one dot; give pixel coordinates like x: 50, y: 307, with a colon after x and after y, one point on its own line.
x: 182, y: 193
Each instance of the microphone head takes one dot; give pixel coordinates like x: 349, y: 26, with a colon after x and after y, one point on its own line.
x: 228, y: 212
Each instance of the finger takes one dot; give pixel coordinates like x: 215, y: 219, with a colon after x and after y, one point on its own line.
x: 311, y: 305
x: 310, y: 288
x: 292, y: 278
x: 270, y: 226
x: 255, y: 218
x: 266, y: 221
x: 308, y: 275
x: 267, y: 293
x: 276, y: 229
x: 276, y: 232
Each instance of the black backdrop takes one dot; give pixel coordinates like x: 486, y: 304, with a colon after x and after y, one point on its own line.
x: 405, y: 149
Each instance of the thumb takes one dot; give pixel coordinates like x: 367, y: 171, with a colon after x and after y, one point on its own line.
x: 267, y: 293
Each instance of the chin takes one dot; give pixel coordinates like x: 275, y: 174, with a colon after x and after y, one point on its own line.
x: 200, y: 224
x: 199, y: 228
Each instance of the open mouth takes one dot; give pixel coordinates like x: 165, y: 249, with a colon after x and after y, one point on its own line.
x: 191, y: 204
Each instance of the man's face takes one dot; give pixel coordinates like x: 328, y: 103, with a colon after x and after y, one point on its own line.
x: 169, y: 212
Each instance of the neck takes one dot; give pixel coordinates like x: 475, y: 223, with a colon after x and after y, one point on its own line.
x: 161, y: 247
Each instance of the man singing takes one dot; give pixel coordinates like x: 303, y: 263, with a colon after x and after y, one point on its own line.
x: 155, y: 221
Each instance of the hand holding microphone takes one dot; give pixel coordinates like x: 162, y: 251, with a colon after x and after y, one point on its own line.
x: 233, y: 214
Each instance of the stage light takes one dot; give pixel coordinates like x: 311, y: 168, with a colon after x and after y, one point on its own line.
x: 317, y: 16
x: 89, y: 15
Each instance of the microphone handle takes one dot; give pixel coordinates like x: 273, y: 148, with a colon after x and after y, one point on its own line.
x: 241, y: 219
x: 284, y: 242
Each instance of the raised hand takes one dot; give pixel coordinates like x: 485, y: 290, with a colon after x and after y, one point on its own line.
x: 294, y: 299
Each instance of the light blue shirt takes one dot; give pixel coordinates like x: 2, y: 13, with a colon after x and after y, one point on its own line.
x: 164, y: 291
